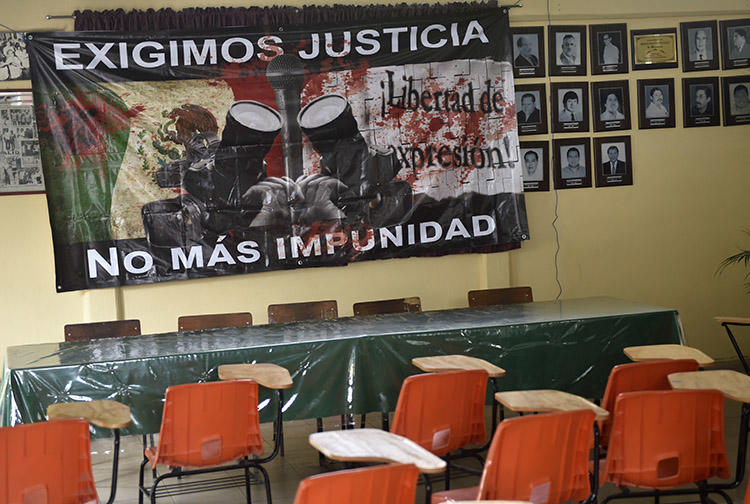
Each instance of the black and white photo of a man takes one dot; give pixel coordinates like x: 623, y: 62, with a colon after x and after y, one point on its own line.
x: 701, y: 47
x: 574, y: 163
x: 529, y: 110
x: 569, y: 49
x: 532, y: 165
x: 569, y: 105
x: 525, y: 50
x: 609, y: 48
x: 738, y: 46
x: 657, y: 102
x: 614, y: 153
x: 739, y: 104
x: 701, y: 100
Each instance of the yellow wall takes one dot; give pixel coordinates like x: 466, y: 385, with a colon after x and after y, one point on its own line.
x: 658, y: 241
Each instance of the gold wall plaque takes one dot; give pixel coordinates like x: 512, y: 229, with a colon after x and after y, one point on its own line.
x: 655, y: 48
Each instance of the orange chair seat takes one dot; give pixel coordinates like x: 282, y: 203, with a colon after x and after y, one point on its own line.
x: 459, y: 494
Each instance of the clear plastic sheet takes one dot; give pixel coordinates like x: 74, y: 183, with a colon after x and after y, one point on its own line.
x: 346, y: 365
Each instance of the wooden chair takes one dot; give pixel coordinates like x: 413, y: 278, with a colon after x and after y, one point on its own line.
x: 294, y: 312
x: 214, y: 321
x: 510, y: 295
x: 311, y: 310
x: 95, y: 330
x: 400, y: 305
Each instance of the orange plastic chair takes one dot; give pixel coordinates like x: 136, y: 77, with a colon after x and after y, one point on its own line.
x: 442, y: 412
x: 661, y: 440
x: 206, y: 425
x: 46, y: 462
x: 540, y: 458
x: 386, y: 484
x: 636, y: 377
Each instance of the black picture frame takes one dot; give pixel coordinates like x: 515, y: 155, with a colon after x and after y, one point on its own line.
x: 693, y: 117
x: 734, y: 90
x: 539, y: 181
x: 20, y: 160
x: 557, y: 38
x: 560, y: 150
x: 731, y: 56
x: 523, y: 67
x: 558, y: 93
x: 656, y: 111
x: 619, y: 173
x: 653, y: 49
x: 609, y: 48
x: 536, y: 122
x: 15, y: 57
x: 692, y: 36
x: 606, y: 119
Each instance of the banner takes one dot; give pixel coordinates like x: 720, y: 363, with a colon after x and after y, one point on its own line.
x: 175, y: 155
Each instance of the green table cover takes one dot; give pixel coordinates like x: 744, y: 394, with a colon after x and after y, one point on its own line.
x: 346, y: 365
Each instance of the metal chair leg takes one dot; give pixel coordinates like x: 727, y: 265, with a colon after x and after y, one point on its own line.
x: 140, y: 475
x: 266, y: 483
x: 115, y: 463
x: 248, y: 498
x: 427, y: 489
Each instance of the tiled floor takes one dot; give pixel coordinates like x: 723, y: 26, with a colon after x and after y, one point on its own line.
x: 301, y: 460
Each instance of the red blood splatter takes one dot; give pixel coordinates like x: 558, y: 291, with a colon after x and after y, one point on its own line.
x: 436, y: 123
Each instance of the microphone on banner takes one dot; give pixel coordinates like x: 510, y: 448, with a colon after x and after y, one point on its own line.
x: 286, y: 74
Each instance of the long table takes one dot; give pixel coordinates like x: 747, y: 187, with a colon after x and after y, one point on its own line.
x: 345, y: 365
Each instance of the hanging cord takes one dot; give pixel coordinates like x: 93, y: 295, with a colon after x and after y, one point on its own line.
x: 557, y: 198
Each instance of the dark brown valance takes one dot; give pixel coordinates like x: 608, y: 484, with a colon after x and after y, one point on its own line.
x: 263, y: 17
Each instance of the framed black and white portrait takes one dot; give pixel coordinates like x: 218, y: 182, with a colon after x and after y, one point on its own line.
x: 531, y: 109
x: 609, y: 48
x: 572, y: 162
x: 614, y: 165
x: 736, y: 100
x: 735, y: 43
x: 528, y: 51
x: 570, y: 106
x: 535, y: 166
x: 656, y: 103
x: 611, y: 105
x: 567, y: 50
x: 700, y: 49
x: 14, y: 60
x: 654, y: 49
x: 20, y: 163
x: 700, y: 100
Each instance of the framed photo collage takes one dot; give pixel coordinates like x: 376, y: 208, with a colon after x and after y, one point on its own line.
x: 606, y: 106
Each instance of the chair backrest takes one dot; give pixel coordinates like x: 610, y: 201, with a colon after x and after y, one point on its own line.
x: 214, y: 321
x: 635, y: 377
x: 510, y: 295
x: 293, y: 312
x: 400, y: 305
x: 206, y: 424
x: 94, y: 330
x: 442, y: 411
x: 384, y: 484
x: 667, y: 438
x: 543, y: 459
x: 46, y: 462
